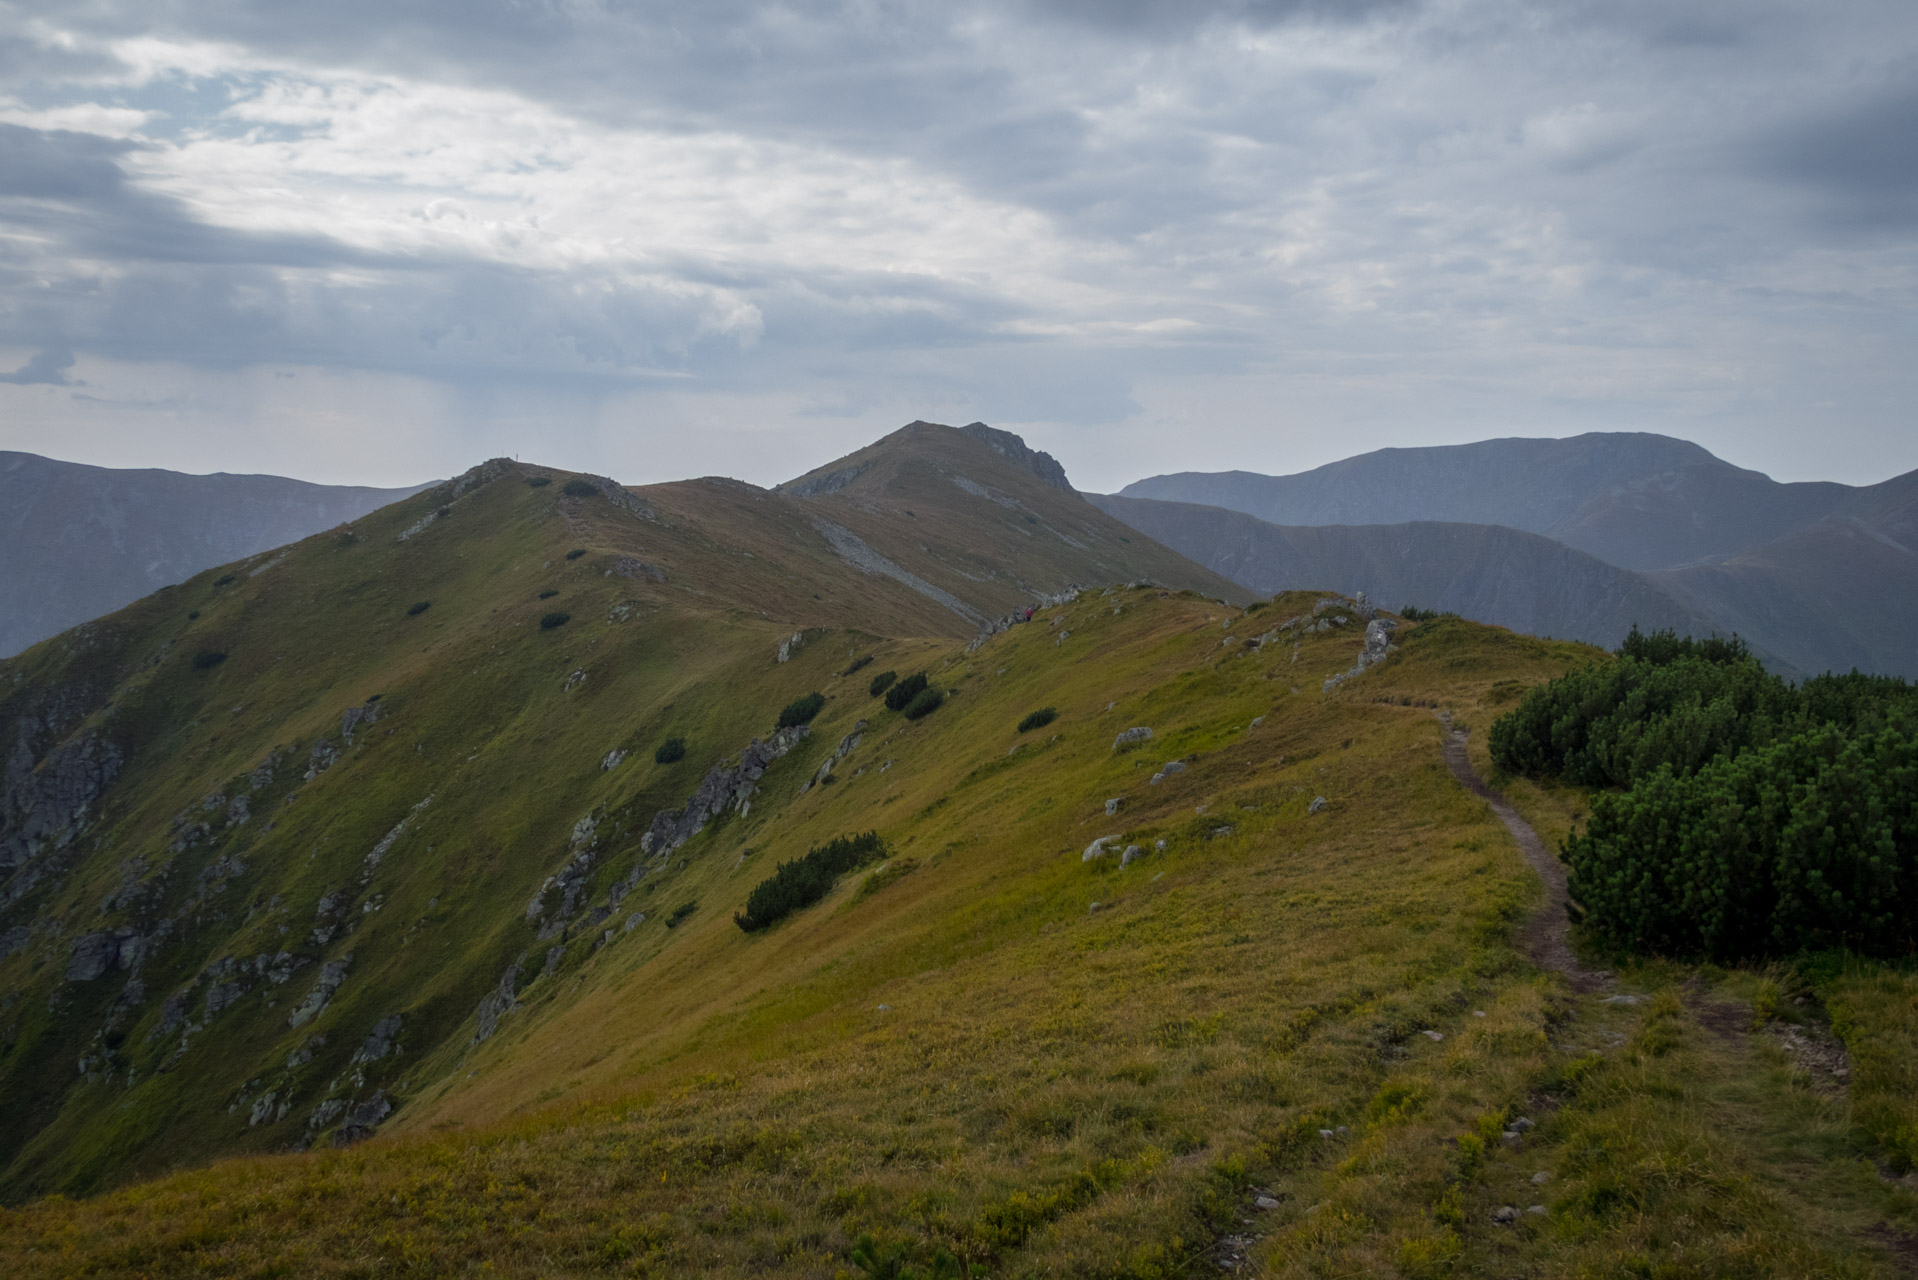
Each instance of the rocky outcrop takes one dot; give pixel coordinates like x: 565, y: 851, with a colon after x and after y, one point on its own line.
x: 380, y: 1040
x: 1017, y: 451
x: 723, y: 788
x: 1378, y: 643
x: 45, y: 801
x: 1131, y: 737
x: 332, y: 974
x: 362, y: 1119
x: 496, y: 1003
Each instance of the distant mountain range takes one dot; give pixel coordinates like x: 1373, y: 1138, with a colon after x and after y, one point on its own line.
x: 1578, y: 538
x: 83, y: 541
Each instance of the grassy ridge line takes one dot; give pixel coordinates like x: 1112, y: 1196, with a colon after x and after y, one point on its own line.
x: 1057, y: 1091
x: 473, y: 694
x: 1070, y: 995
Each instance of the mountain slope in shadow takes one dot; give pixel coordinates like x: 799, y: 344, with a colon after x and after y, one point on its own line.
x: 82, y: 541
x: 1633, y: 499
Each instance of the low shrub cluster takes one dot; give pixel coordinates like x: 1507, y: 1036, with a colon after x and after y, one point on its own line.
x: 1412, y: 613
x: 802, y: 710
x: 924, y: 703
x: 1803, y: 844
x: 680, y: 913
x: 538, y: 482
x: 671, y: 750
x: 904, y: 691
x: 418, y: 607
x: 554, y: 619
x: 579, y: 489
x: 549, y: 593
x: 207, y: 659
x: 1747, y: 817
x: 576, y: 553
x: 806, y: 880
x: 881, y: 682
x: 858, y: 665
x: 1038, y: 719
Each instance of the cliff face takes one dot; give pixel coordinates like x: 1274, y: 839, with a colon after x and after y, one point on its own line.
x: 82, y: 541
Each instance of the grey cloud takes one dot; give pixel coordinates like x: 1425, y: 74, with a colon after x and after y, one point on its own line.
x: 48, y: 368
x: 1862, y: 158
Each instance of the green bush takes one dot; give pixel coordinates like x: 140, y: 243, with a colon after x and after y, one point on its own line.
x: 670, y: 750
x: 1761, y: 818
x: 1806, y: 843
x: 207, y: 659
x: 924, y: 703
x: 802, y: 710
x: 538, y: 482
x: 882, y: 682
x: 576, y: 553
x: 680, y: 912
x: 224, y: 579
x: 554, y: 619
x: 806, y: 880
x: 1039, y: 719
x: 418, y: 607
x: 858, y: 665
x: 905, y: 691
x: 549, y: 593
x: 1412, y: 613
x: 579, y: 489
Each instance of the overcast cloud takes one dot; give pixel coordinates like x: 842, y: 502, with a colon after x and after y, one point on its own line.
x: 377, y: 242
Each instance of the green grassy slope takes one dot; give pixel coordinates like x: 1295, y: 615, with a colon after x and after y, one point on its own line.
x: 1261, y: 1044
x: 354, y: 806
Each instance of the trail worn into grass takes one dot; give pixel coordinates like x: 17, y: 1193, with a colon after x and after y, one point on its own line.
x: 1545, y: 938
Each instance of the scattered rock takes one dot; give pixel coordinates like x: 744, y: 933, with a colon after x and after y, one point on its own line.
x: 1131, y: 855
x: 363, y: 1119
x: 1433, y: 1036
x: 612, y: 759
x: 1378, y: 643
x: 1112, y: 805
x: 332, y: 974
x: 882, y: 1008
x: 1264, y: 1204
x: 1505, y: 1215
x: 496, y: 1003
x: 1317, y: 805
x: 1537, y: 1209
x: 1097, y: 849
x: 379, y: 1042
x: 791, y: 645
x: 1130, y: 736
x: 1627, y: 1000
x: 304, y: 1054
x: 1540, y: 1178
x: 1523, y: 1124
x: 723, y: 787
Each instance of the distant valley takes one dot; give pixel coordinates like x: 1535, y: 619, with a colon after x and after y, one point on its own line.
x: 81, y: 541
x: 1581, y: 537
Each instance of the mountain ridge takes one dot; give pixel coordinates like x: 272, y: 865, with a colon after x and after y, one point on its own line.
x: 82, y: 540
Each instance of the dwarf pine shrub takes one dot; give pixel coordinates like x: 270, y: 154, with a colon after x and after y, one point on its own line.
x: 671, y: 750
x: 801, y: 710
x: 857, y: 665
x: 207, y: 659
x: 924, y: 703
x: 576, y: 553
x: 538, y: 482
x: 882, y: 682
x: 1038, y: 719
x: 579, y: 489
x: 905, y: 691
x: 418, y: 607
x: 1747, y: 817
x: 554, y: 619
x: 806, y: 880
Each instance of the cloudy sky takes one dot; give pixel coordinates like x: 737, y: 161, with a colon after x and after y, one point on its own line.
x: 377, y: 241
